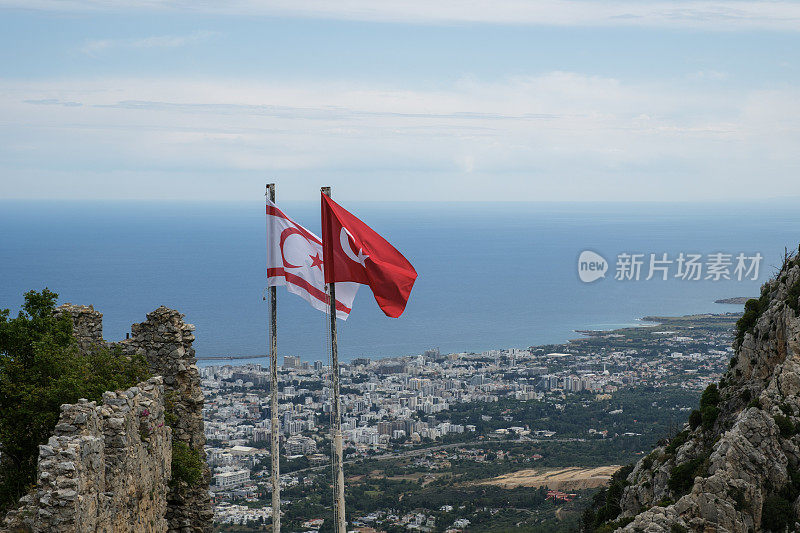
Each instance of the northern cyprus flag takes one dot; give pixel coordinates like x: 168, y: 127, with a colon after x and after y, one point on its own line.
x: 294, y: 259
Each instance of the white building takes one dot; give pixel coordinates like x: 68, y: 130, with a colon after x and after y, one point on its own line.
x: 231, y: 478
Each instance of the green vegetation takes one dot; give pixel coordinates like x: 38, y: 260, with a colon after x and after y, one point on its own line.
x: 776, y: 513
x: 708, y: 406
x: 650, y: 419
x: 793, y: 296
x: 753, y: 309
x: 709, y: 416
x: 187, y: 465
x: 170, y: 418
x: 710, y: 396
x: 648, y: 461
x: 785, y: 425
x: 605, y: 505
x: 695, y: 419
x: 489, y: 508
x: 676, y: 442
x: 681, y: 477
x: 40, y: 369
x: 738, y: 496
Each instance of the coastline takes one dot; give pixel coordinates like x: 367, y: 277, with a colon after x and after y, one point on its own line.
x: 644, y: 323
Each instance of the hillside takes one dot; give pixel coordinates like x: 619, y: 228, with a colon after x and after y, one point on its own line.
x: 735, y: 467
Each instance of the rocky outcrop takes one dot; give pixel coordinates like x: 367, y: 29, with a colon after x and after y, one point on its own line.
x: 736, y: 465
x: 105, y: 469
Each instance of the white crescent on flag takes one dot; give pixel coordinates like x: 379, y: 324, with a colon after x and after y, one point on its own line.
x: 294, y: 259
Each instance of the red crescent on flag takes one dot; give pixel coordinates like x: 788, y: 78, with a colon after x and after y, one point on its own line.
x: 285, y: 234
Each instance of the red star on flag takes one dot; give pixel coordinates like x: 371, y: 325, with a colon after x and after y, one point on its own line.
x: 316, y: 261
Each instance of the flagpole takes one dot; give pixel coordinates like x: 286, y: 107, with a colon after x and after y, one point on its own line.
x: 273, y: 370
x: 336, y: 429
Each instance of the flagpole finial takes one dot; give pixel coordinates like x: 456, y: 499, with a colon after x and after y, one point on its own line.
x: 270, y: 194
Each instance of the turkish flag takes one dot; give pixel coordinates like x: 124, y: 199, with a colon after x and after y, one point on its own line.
x: 353, y: 251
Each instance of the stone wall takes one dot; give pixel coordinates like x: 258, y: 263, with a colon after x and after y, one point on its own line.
x: 166, y: 341
x: 87, y: 324
x: 105, y: 469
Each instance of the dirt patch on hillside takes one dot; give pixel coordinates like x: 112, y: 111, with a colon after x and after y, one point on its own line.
x: 565, y: 479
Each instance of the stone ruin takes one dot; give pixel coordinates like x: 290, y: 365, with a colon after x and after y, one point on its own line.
x: 107, y: 467
x: 99, y: 472
x: 166, y: 341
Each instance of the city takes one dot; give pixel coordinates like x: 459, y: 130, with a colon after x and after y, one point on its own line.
x: 419, y: 422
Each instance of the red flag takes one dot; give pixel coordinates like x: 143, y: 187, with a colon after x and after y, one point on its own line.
x: 352, y: 251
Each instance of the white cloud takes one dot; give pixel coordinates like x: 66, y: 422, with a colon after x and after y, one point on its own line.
x: 94, y: 47
x: 700, y: 14
x: 556, y: 136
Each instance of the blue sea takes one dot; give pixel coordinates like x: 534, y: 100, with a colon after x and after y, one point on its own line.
x: 491, y: 275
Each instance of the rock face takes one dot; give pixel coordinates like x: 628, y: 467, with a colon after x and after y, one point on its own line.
x: 736, y: 466
x: 108, y: 467
x: 105, y: 469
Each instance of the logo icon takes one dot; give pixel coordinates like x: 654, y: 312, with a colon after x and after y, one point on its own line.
x: 591, y: 266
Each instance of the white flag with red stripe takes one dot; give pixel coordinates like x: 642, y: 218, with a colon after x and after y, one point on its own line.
x: 294, y: 259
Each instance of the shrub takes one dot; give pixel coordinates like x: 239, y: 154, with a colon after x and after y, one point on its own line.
x: 170, y: 418
x: 776, y: 513
x: 753, y: 309
x: 676, y: 442
x: 785, y: 425
x: 710, y: 396
x: 695, y: 419
x: 793, y: 295
x: 187, y: 465
x: 41, y: 368
x: 746, y: 395
x: 738, y: 496
x: 606, y: 503
x: 647, y: 462
x: 709, y: 415
x: 681, y: 477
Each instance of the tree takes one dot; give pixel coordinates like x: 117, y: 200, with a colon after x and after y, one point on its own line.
x: 41, y: 368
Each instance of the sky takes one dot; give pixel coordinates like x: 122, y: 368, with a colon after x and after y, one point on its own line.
x: 502, y: 100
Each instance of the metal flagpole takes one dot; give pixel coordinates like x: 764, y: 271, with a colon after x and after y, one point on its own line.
x: 273, y: 370
x: 336, y: 427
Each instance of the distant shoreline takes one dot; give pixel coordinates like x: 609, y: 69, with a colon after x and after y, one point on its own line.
x: 738, y: 300
x: 645, y: 322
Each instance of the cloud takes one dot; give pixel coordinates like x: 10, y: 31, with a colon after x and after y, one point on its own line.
x: 555, y: 136
x: 713, y: 75
x: 95, y: 47
x: 698, y: 14
x: 53, y: 101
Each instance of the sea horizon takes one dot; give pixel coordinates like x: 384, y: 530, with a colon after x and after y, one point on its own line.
x: 492, y: 275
